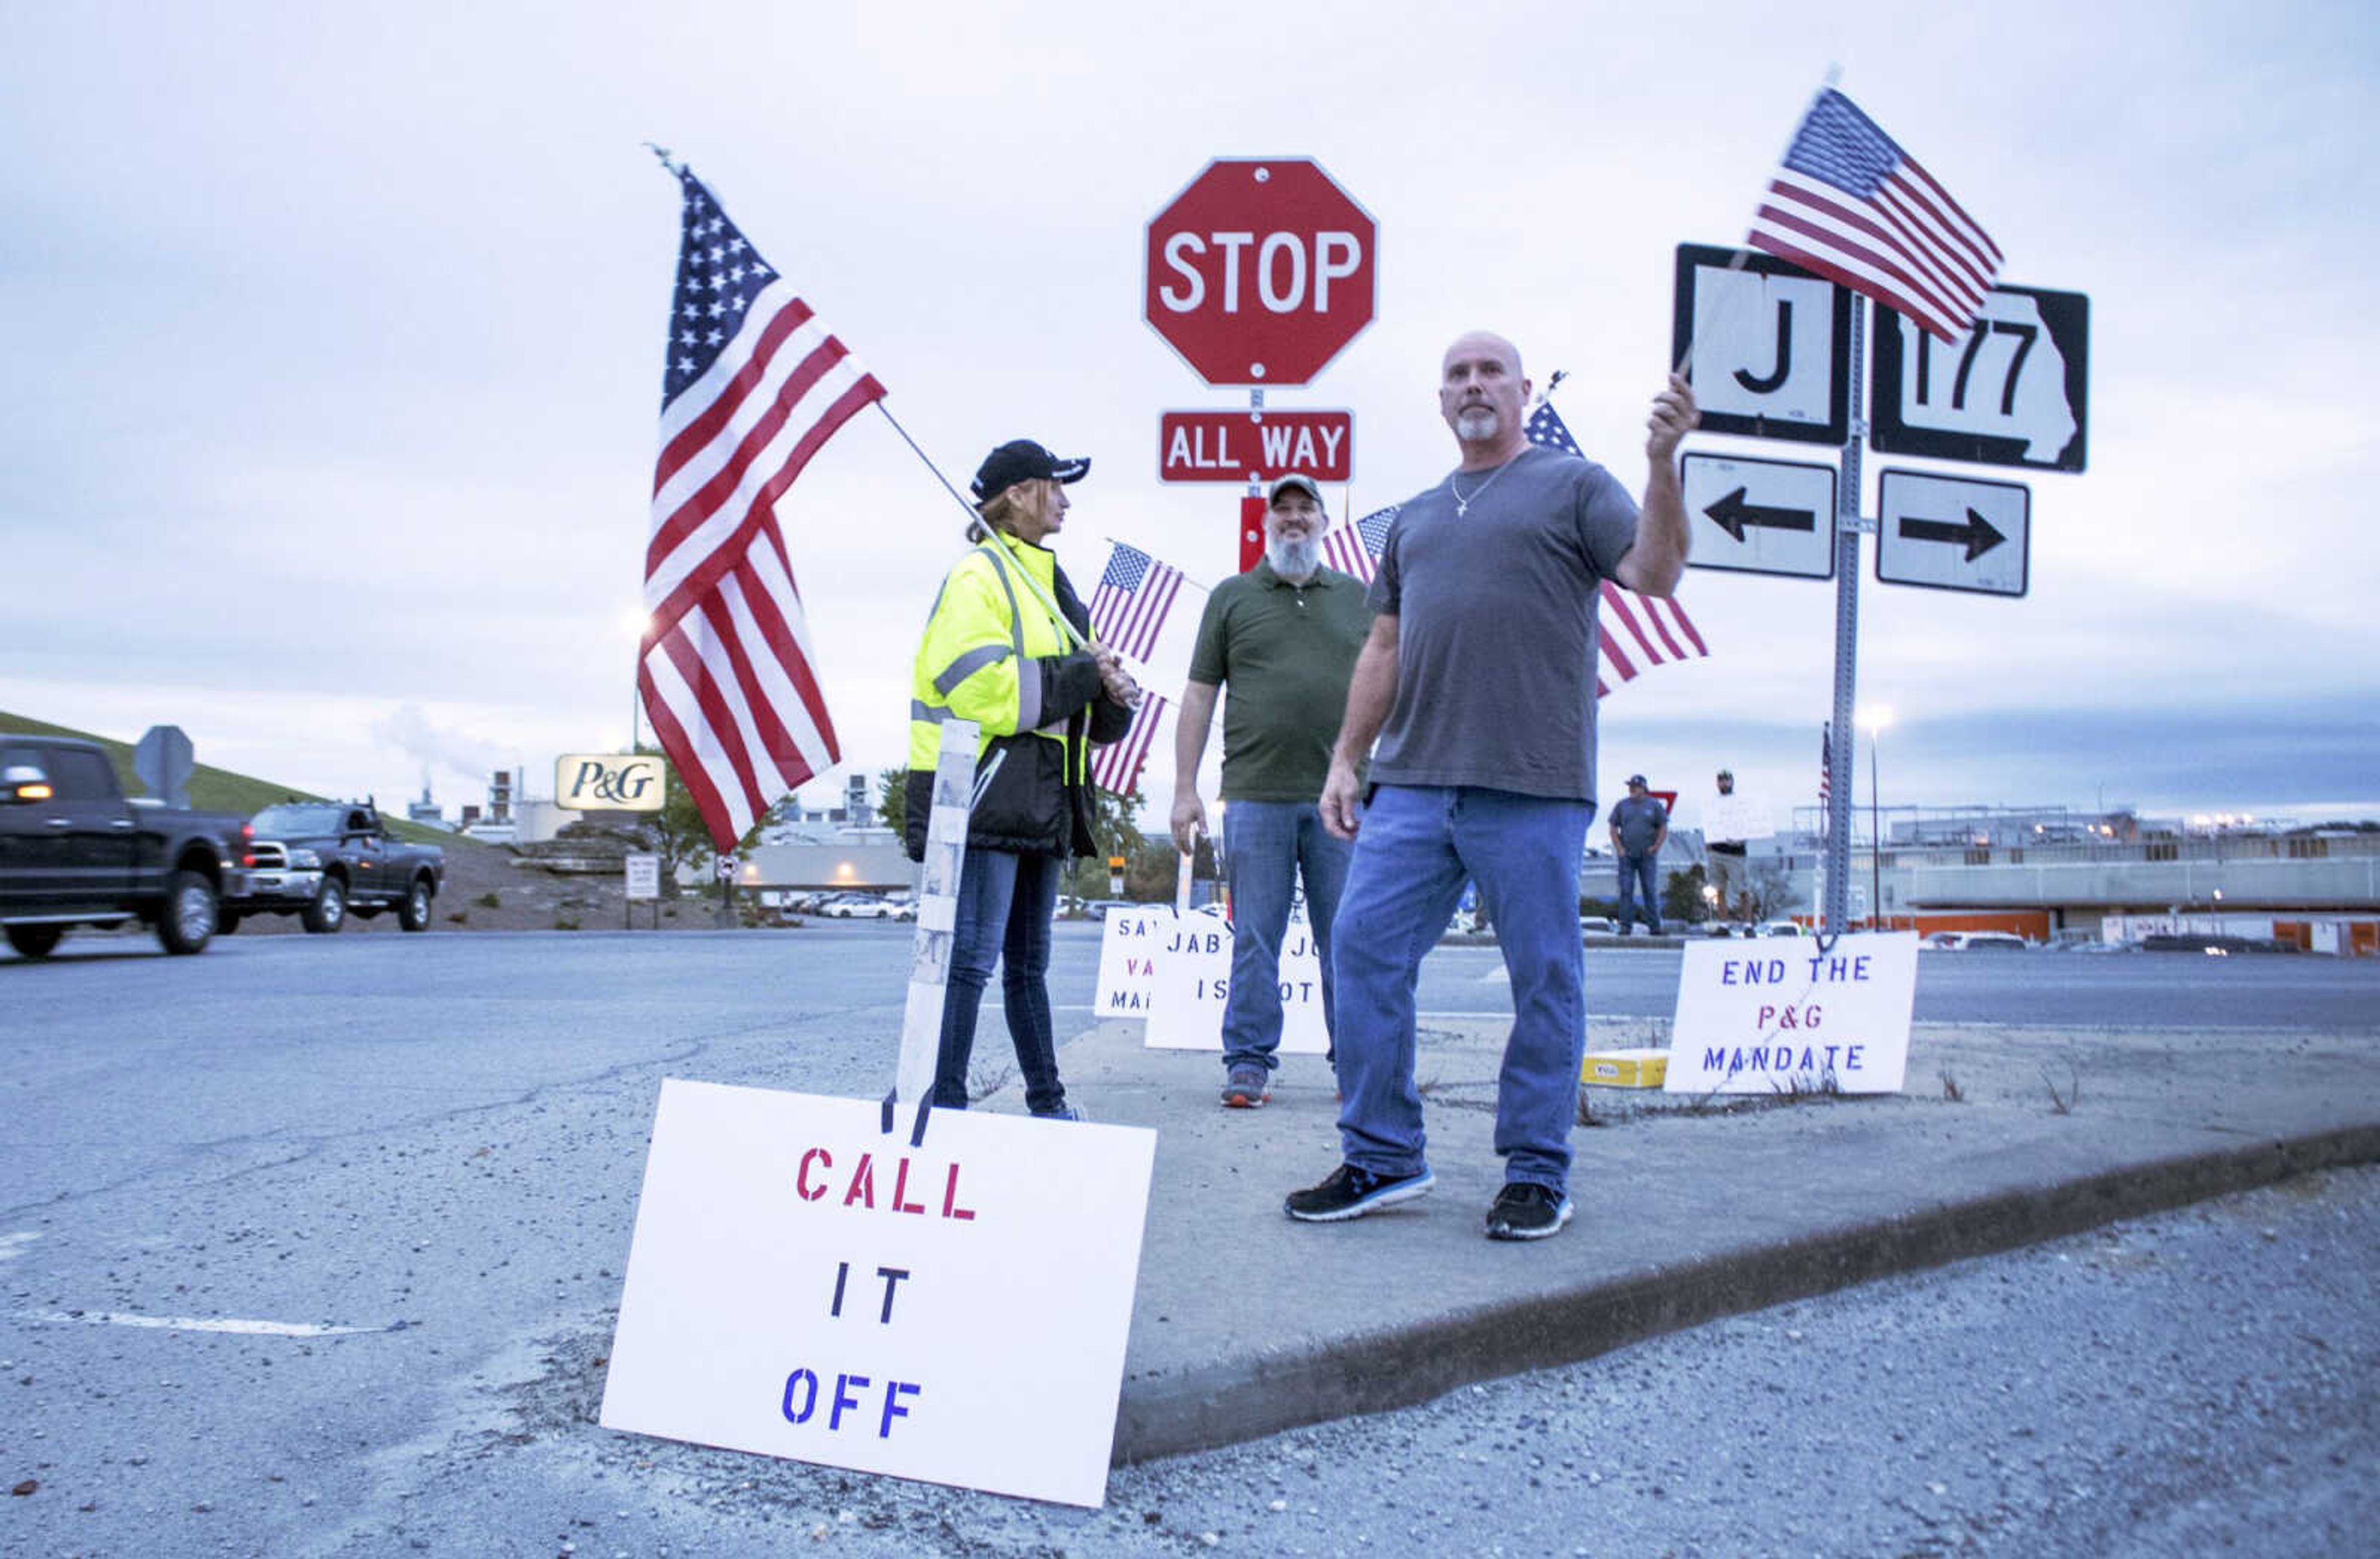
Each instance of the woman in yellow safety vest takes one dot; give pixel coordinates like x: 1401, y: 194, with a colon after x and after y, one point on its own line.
x: 1009, y: 646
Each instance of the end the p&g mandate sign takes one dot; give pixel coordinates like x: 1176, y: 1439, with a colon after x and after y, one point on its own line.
x: 803, y: 1285
x: 1777, y: 1015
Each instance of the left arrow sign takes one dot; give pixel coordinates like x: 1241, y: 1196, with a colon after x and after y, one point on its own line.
x: 1732, y: 513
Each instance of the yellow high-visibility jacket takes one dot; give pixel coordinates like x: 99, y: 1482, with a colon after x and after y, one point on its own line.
x: 992, y: 653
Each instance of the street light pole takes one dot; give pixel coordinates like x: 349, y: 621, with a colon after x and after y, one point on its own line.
x: 1875, y: 843
x: 1876, y: 717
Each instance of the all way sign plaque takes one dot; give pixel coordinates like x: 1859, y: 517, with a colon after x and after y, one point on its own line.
x: 1244, y: 447
x: 1760, y: 516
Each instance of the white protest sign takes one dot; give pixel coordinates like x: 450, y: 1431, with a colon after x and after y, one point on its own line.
x: 802, y: 1285
x: 1193, y: 981
x: 1738, y: 817
x: 1775, y: 1015
x: 1128, y: 944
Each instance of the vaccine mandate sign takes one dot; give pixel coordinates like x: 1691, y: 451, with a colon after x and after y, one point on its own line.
x: 802, y: 1285
x: 1176, y: 972
x: 1775, y: 1015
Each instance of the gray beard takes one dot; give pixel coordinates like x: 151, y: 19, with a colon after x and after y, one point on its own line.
x: 1477, y: 425
x: 1294, y: 559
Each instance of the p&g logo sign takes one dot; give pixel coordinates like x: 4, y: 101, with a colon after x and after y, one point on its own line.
x: 607, y: 781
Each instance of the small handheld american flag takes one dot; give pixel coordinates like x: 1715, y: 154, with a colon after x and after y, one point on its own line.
x: 1116, y: 767
x: 1851, y: 205
x: 1135, y: 593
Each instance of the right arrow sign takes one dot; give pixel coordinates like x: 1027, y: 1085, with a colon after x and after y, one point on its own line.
x: 1953, y: 532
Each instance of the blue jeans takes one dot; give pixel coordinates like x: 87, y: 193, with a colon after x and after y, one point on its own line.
x: 1268, y: 846
x: 1417, y: 846
x: 1005, y: 903
x: 1637, y: 872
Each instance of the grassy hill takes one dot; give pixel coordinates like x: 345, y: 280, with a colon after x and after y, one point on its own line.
x: 219, y: 790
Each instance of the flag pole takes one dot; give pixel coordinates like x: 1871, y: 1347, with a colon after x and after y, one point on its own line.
x: 974, y: 517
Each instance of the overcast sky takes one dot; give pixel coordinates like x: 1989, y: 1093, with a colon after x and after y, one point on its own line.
x: 336, y: 334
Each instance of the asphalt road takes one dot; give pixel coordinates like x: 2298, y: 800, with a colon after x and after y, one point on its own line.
x: 309, y: 1246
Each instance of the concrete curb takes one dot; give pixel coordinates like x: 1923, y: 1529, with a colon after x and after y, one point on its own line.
x: 1246, y: 1398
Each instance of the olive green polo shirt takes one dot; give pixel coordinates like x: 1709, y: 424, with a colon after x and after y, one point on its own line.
x: 1284, y: 655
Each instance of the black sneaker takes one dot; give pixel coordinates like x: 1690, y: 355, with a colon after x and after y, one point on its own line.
x: 1350, y: 1192
x: 1524, y: 1210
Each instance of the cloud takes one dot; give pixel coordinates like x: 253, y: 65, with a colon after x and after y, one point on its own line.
x: 407, y: 728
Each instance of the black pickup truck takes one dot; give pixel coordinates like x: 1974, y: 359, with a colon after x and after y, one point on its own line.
x: 321, y: 860
x: 74, y: 851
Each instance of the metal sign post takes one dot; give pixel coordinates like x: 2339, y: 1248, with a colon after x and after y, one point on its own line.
x: 1834, y: 918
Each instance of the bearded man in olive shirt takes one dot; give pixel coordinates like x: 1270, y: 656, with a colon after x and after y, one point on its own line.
x: 1285, y: 635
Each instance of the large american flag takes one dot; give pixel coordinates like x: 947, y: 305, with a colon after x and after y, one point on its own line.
x: 1850, y: 204
x: 1135, y: 593
x: 1116, y: 766
x: 753, y: 385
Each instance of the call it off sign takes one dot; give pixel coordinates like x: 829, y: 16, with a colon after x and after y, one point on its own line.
x: 803, y: 1285
x: 609, y: 782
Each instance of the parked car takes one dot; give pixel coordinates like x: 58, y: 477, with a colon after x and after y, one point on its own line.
x: 866, y: 907
x: 1971, y: 941
x: 1780, y: 927
x: 1596, y: 925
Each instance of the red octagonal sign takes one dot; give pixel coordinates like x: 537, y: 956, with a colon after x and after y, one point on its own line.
x: 1260, y: 270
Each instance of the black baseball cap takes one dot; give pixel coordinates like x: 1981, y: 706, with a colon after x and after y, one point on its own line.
x: 1635, y: 779
x: 1021, y: 459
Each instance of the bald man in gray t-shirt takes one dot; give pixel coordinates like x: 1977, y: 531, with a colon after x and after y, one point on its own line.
x: 1478, y: 678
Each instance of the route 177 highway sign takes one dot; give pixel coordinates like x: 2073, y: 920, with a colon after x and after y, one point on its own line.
x: 2010, y: 391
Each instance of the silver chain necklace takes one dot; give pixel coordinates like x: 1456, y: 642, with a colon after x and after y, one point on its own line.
x: 1462, y: 504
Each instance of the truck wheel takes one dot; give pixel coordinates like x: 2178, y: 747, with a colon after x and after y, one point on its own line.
x: 329, y: 911
x: 188, y: 919
x: 413, y: 914
x: 35, y: 942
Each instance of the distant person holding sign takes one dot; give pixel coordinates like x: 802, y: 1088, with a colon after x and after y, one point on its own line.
x: 1284, y: 635
x: 1009, y: 647
x: 1724, y: 852
x: 1478, y: 678
x: 1640, y: 826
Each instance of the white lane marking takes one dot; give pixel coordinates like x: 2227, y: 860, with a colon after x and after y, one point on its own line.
x: 13, y: 1245
x: 194, y: 1323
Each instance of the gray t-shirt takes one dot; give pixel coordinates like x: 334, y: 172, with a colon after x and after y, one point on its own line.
x: 1638, y: 820
x: 1496, y: 625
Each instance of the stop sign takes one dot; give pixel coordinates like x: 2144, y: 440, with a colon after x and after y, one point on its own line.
x: 1260, y: 270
